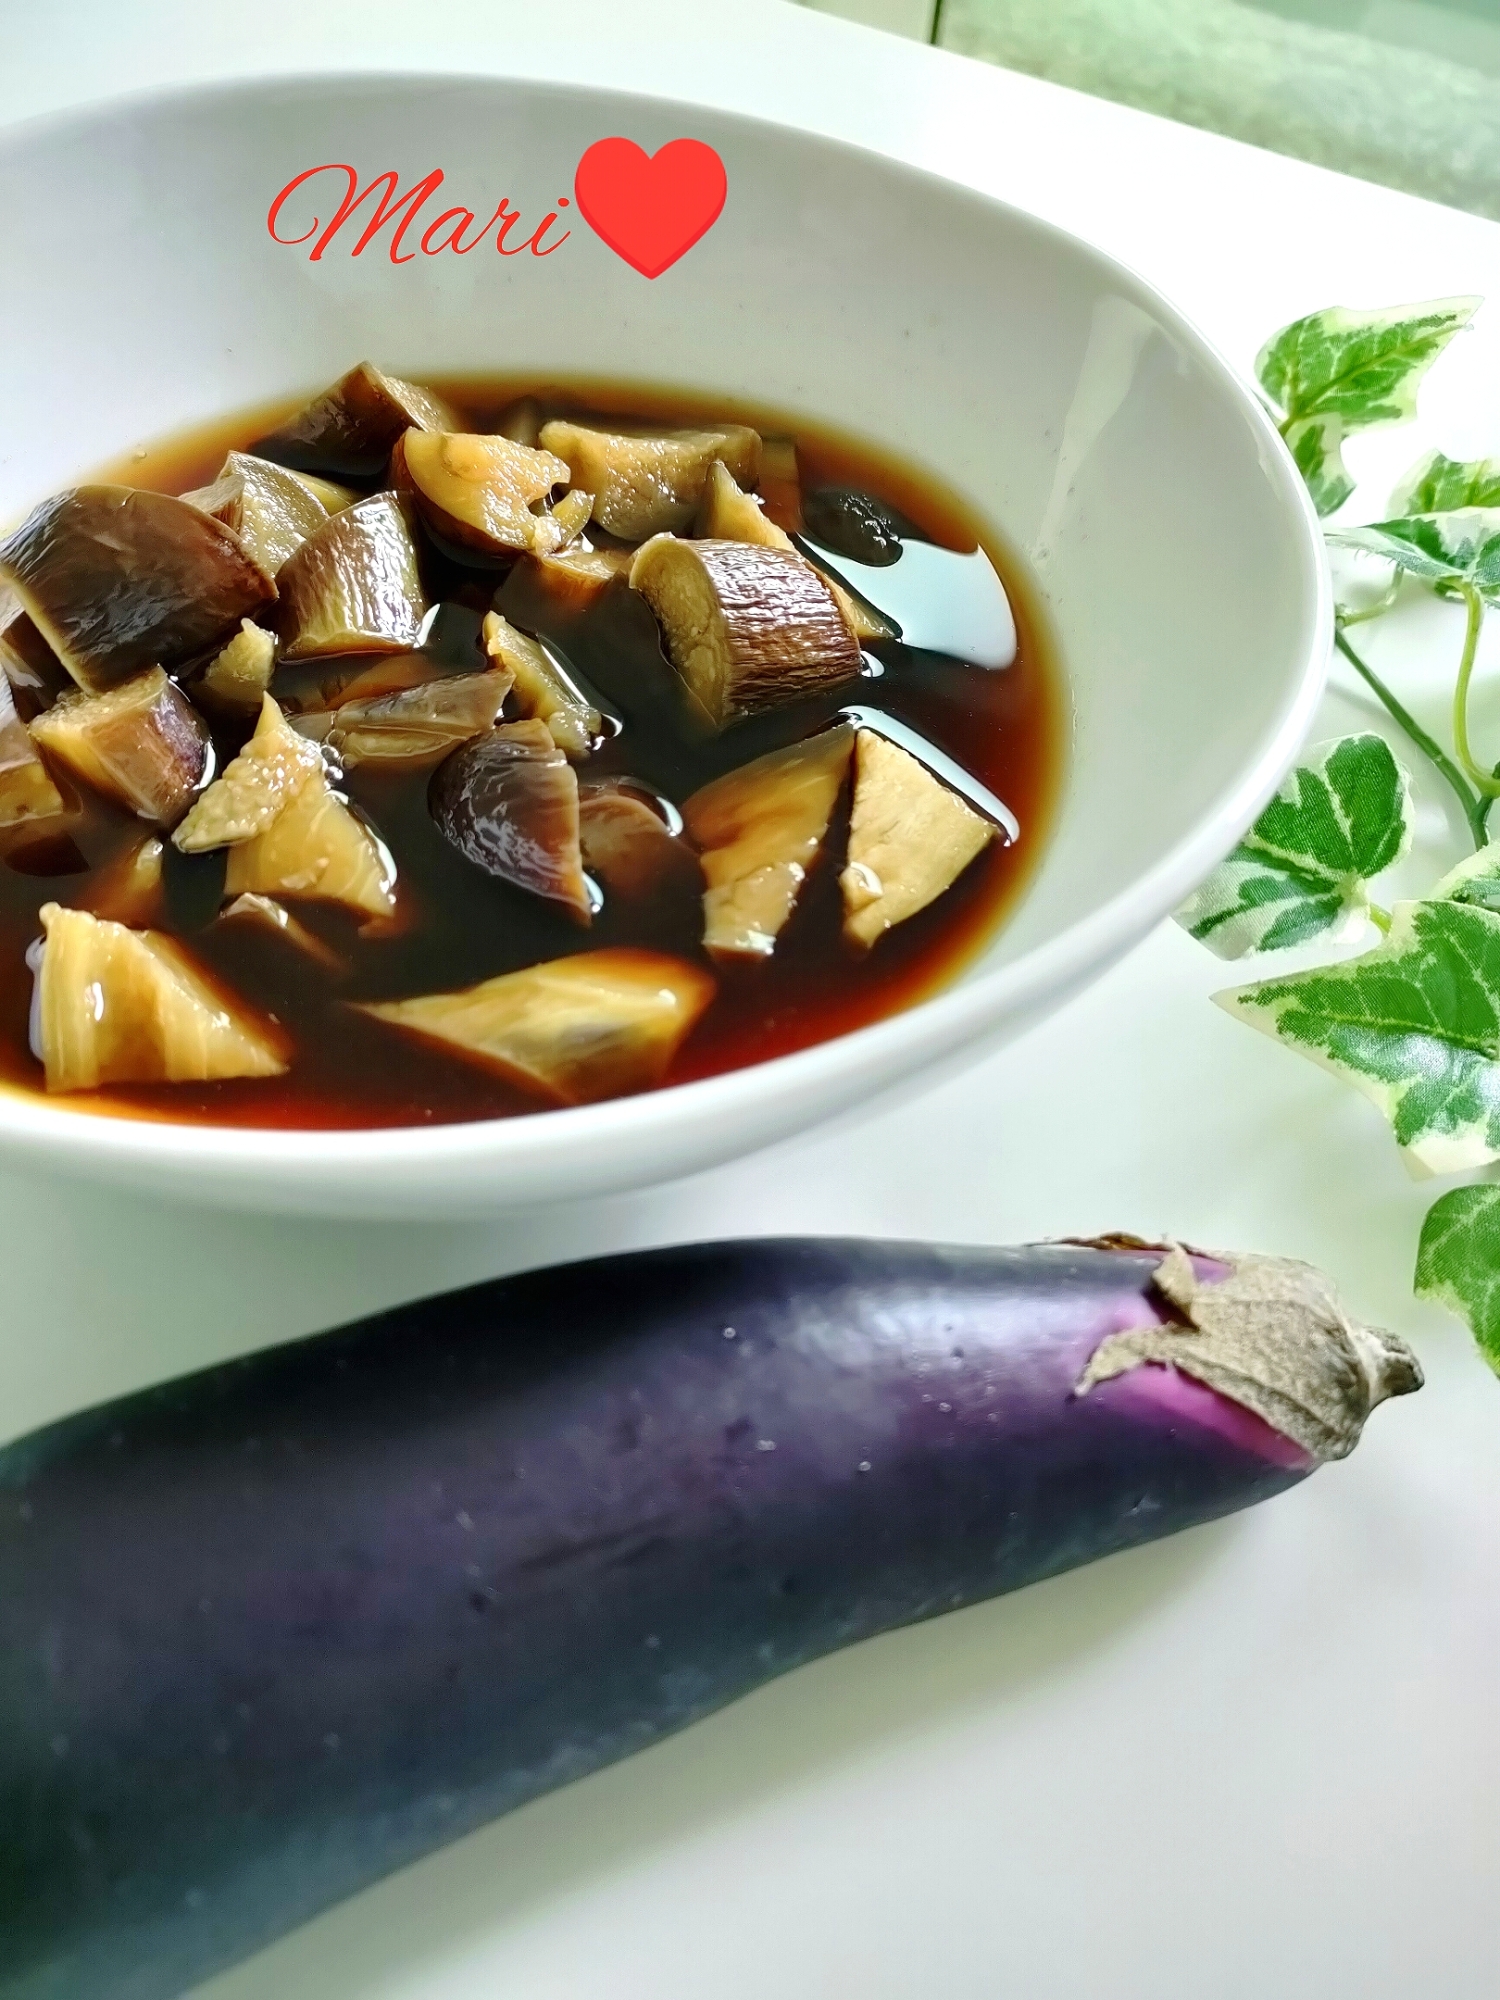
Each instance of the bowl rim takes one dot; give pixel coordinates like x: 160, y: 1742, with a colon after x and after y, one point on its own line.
x: 900, y: 1046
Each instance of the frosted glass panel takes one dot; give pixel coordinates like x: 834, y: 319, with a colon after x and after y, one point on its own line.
x: 1406, y: 92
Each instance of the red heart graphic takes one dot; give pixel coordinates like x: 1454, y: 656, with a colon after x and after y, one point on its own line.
x: 650, y: 207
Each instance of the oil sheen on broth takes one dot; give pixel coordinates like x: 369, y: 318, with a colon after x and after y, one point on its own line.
x: 970, y: 677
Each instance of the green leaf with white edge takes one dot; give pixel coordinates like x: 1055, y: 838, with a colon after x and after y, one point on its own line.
x: 1303, y: 869
x: 1458, y: 1262
x: 1476, y: 880
x: 1445, y: 549
x: 1439, y: 485
x: 1414, y: 1025
x: 1363, y: 367
x: 1316, y: 445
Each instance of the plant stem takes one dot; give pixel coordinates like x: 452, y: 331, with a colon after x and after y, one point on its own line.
x: 1381, y: 605
x: 1380, y: 918
x: 1476, y: 810
x: 1486, y: 784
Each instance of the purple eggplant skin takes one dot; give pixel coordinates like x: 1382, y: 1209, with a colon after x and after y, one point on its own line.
x: 273, y: 1630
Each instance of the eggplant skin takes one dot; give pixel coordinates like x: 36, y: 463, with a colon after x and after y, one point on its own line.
x: 118, y: 578
x: 273, y: 1630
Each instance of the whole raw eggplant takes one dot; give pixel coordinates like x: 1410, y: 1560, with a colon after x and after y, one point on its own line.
x: 273, y: 1630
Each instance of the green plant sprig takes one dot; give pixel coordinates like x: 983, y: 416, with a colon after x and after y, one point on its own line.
x: 1414, y: 1022
x: 1476, y: 807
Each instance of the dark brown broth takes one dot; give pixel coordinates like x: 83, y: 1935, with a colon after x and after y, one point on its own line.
x: 461, y: 926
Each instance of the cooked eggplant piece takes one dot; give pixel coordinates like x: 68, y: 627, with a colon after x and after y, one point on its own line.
x: 309, y: 689
x: 575, y: 578
x: 747, y: 627
x: 417, y: 725
x: 288, y: 832
x: 728, y: 514
x: 129, y: 890
x: 238, y: 677
x: 910, y: 838
x: 849, y: 523
x: 645, y: 481
x: 389, y: 676
x: 543, y: 689
x: 349, y: 430
x: 315, y: 724
x: 117, y: 579
x: 947, y: 770
x: 333, y: 497
x: 254, y: 788
x: 571, y: 515
x: 575, y: 1030
x: 509, y: 804
x: 316, y: 847
x: 354, y: 586
x: 759, y: 830
x: 864, y: 621
x: 121, y: 1006
x: 142, y: 744
x: 35, y: 674
x: 272, y: 510
x: 265, y: 914
x: 483, y: 493
x: 27, y: 791
x: 631, y: 851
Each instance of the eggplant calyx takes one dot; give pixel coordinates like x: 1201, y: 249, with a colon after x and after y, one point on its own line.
x: 1272, y: 1337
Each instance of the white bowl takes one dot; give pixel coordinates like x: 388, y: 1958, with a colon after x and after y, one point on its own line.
x: 1166, y: 527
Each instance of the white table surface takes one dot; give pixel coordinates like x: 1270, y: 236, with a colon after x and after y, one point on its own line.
x: 1259, y: 1758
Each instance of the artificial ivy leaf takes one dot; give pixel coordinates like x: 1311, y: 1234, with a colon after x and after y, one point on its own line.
x: 1450, y: 548
x: 1458, y: 1262
x: 1363, y: 367
x: 1438, y: 485
x: 1337, y: 821
x: 1316, y: 445
x: 1414, y: 1024
x: 1475, y: 880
